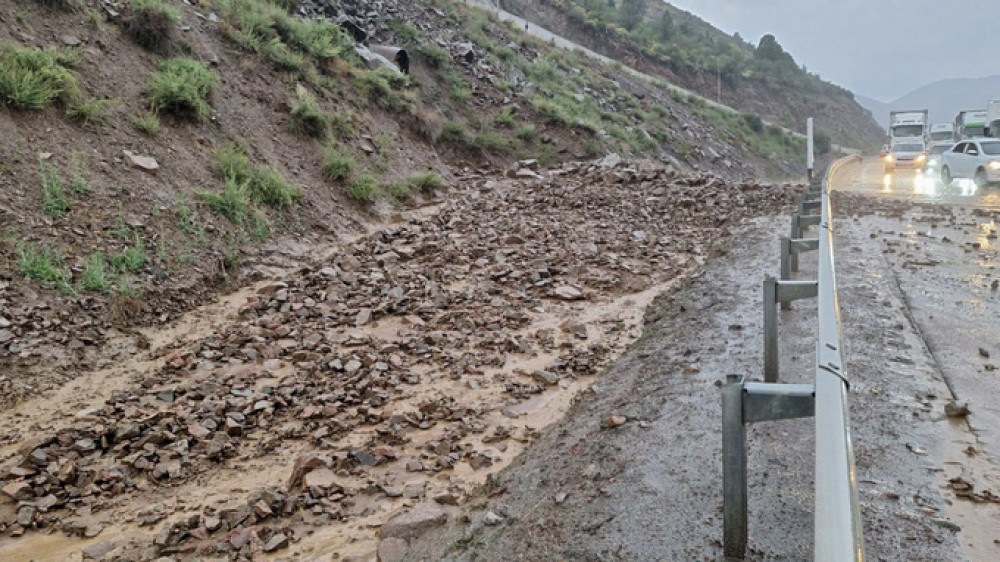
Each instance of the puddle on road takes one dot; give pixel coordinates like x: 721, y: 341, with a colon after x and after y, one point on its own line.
x: 980, y: 522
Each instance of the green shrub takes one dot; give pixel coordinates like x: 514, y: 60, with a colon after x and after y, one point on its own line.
x: 264, y: 184
x: 54, y: 200
x: 233, y: 203
x: 383, y: 86
x: 43, y: 265
x: 754, y: 121
x: 182, y: 86
x: 95, y: 276
x: 491, y: 141
x: 505, y: 118
x: 79, y: 183
x: 425, y: 182
x: 308, y: 119
x: 32, y: 78
x: 822, y: 142
x: 405, y: 31
x: 133, y: 258
x: 526, y: 132
x: 342, y: 124
x: 398, y: 192
x: 337, y: 165
x: 92, y: 111
x: 435, y: 56
x: 148, y: 124
x: 151, y: 24
x: 364, y: 189
x: 453, y: 132
x: 282, y: 57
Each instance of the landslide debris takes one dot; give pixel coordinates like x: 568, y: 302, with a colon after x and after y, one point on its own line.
x: 406, y: 355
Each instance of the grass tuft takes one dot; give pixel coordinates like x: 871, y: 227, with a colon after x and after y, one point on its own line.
x: 133, y: 258
x: 182, y: 86
x: 95, y: 276
x: 43, y: 265
x: 32, y: 78
x: 308, y: 119
x: 337, y: 165
x: 54, y: 200
x: 453, y: 132
x: 425, y: 182
x: 91, y: 112
x: 264, y: 184
x: 364, y: 189
x: 148, y: 124
x: 151, y: 24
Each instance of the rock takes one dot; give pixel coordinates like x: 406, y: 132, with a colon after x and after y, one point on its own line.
x: 19, y: 491
x: 567, y: 293
x: 610, y: 161
x: 4, y: 323
x: 319, y: 479
x: 277, y: 542
x: 955, y: 410
x: 364, y: 316
x: 413, y: 523
x: 392, y: 549
x: 492, y: 519
x: 303, y: 465
x: 546, y: 377
x: 98, y: 550
x: 575, y: 327
x: 145, y: 163
x: 984, y: 353
x: 615, y: 421
x: 70, y: 40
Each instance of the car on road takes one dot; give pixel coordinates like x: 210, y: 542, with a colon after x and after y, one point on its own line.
x: 933, y: 163
x: 977, y: 159
x: 909, y: 154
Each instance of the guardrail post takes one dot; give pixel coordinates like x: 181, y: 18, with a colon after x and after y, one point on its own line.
x: 734, y: 470
x: 793, y: 260
x: 770, y: 330
x: 786, y: 258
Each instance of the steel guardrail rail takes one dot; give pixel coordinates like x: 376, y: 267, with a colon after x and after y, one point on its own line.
x: 837, y: 517
x: 838, y: 525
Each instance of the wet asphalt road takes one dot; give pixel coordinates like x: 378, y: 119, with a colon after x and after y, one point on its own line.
x: 939, y: 245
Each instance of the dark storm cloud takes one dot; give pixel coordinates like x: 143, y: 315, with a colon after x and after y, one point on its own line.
x: 882, y: 49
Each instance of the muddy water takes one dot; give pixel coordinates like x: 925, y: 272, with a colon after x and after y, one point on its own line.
x: 613, y: 322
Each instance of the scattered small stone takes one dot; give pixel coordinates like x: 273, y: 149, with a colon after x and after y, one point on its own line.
x: 955, y: 410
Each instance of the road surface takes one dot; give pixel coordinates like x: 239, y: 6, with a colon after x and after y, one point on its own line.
x: 939, y: 244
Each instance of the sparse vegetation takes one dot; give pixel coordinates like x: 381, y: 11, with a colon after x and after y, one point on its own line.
x: 148, y: 124
x: 308, y: 119
x: 453, y: 132
x: 91, y: 112
x: 182, y: 87
x: 398, y: 192
x: 337, y: 165
x: 364, y: 189
x: 384, y: 87
x: 425, y: 182
x: 54, y: 200
x: 526, y: 132
x: 263, y: 184
x: 79, y: 183
x: 435, y: 56
x: 133, y: 258
x: 95, y: 276
x: 505, y: 118
x: 32, y: 78
x: 43, y: 265
x: 151, y: 24
x: 233, y: 203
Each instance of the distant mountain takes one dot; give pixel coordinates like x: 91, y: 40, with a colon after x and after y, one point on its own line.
x: 944, y: 99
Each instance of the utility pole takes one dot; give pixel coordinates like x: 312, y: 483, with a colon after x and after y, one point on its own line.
x: 809, y: 149
x: 718, y: 79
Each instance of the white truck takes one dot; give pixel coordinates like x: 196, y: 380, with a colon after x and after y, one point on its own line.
x: 993, y: 118
x: 970, y: 124
x: 942, y: 134
x: 908, y: 126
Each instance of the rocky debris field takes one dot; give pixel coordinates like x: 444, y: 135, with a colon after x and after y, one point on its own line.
x: 407, y: 368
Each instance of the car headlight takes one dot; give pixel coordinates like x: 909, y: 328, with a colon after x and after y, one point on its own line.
x: 922, y: 158
x: 994, y: 165
x: 889, y: 158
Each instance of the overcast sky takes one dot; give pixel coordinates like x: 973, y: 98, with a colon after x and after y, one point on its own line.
x: 881, y: 49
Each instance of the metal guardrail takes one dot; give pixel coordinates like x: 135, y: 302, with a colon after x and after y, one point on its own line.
x: 837, y: 518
